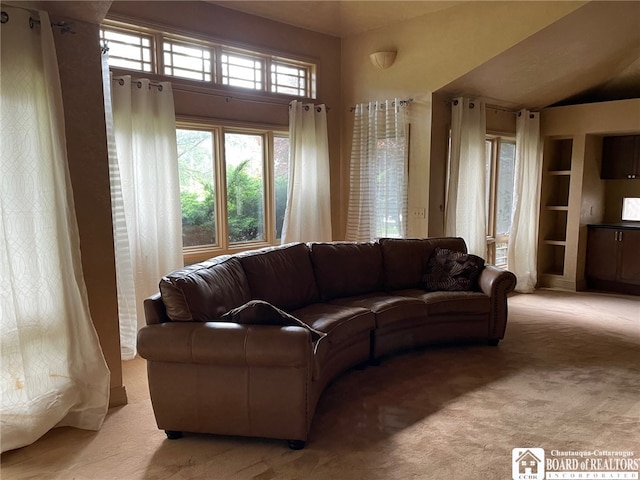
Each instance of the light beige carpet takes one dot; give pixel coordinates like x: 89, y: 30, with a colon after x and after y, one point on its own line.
x: 566, y: 377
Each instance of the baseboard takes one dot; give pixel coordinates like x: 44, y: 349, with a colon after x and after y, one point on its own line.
x: 557, y: 282
x: 118, y: 396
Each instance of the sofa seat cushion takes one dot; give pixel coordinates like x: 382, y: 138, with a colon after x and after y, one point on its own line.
x: 454, y: 303
x: 259, y: 312
x: 339, y: 322
x: 282, y: 276
x: 388, y: 309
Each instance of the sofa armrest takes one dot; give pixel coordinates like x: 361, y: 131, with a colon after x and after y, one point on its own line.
x: 154, y: 310
x: 225, y: 343
x: 497, y: 284
x: 230, y: 379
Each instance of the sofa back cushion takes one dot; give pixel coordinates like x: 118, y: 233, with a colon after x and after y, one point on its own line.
x: 204, y: 291
x: 405, y: 259
x: 282, y: 276
x: 345, y: 269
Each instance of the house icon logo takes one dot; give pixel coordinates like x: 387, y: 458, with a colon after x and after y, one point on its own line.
x: 527, y: 463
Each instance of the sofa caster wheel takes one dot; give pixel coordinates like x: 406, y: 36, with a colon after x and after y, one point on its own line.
x: 297, y: 444
x: 173, y: 434
x: 493, y: 342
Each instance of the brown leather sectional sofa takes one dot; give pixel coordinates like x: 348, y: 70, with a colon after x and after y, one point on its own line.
x: 219, y: 362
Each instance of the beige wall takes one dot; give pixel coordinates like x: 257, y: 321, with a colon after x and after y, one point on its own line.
x: 80, y: 76
x: 433, y: 50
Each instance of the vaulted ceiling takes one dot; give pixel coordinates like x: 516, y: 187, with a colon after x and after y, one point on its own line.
x: 592, y: 54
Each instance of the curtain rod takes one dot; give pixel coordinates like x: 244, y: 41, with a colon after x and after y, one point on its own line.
x: 229, y: 98
x: 139, y: 83
x: 403, y: 103
x: 65, y: 27
x: 488, y: 106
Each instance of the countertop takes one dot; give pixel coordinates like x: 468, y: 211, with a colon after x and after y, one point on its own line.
x: 621, y: 225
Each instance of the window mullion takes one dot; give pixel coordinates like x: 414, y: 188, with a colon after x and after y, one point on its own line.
x: 493, y: 186
x: 221, y: 171
x: 217, y: 64
x: 269, y: 190
x: 268, y: 87
x: 491, y: 233
x: 158, y: 54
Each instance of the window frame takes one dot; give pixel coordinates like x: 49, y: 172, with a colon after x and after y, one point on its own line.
x: 160, y: 34
x: 187, y: 43
x: 493, y: 238
x: 223, y: 246
x: 125, y: 29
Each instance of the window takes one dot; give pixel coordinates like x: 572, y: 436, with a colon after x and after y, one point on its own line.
x: 134, y: 48
x: 244, y: 159
x: 631, y: 209
x: 233, y: 180
x: 128, y: 49
x: 233, y: 187
x: 289, y: 78
x: 500, y: 167
x: 196, y: 166
x: 390, y: 184
x: 241, y: 70
x: 280, y: 178
x: 187, y: 60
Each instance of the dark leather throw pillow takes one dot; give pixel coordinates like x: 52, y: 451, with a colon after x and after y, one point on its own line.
x: 452, y: 270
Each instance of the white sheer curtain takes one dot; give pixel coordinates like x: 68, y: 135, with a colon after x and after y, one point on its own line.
x: 465, y: 212
x: 523, y: 239
x: 127, y: 313
x: 379, y: 171
x: 147, y: 217
x: 53, y: 370
x: 308, y: 213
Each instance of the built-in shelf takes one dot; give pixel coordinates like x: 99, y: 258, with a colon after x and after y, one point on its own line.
x: 556, y: 182
x: 558, y: 153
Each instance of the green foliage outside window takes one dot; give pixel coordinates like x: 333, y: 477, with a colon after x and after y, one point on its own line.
x: 244, y: 204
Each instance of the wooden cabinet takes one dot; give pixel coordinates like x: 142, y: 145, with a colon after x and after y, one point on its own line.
x: 621, y: 157
x: 613, y: 258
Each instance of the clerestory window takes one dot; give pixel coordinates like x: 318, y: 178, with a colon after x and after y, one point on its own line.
x: 162, y: 53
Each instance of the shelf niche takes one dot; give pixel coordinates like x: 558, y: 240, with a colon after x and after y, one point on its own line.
x: 556, y: 182
x: 558, y: 155
x: 555, y: 227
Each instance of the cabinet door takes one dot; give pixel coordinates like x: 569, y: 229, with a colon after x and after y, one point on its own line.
x: 629, y: 267
x: 619, y: 156
x: 602, y: 252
